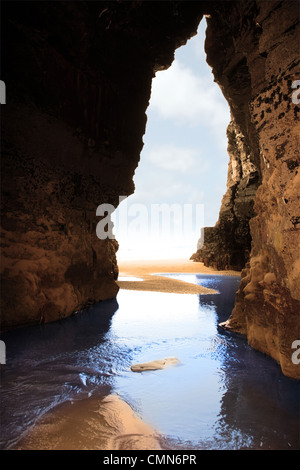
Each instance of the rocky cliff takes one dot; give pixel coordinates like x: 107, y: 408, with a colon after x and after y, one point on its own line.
x: 256, y: 64
x: 78, y: 78
x: 228, y: 244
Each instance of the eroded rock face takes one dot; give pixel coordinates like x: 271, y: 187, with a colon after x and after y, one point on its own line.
x: 228, y: 244
x: 78, y: 77
x: 262, y: 58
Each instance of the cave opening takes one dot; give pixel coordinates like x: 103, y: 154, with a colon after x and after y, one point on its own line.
x: 181, y: 177
x: 72, y: 130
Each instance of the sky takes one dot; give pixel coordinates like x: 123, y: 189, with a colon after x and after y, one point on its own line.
x: 182, y: 173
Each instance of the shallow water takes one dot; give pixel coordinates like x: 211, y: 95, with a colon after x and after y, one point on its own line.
x: 222, y: 395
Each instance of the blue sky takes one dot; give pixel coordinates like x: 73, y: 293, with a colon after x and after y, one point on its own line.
x: 184, y: 159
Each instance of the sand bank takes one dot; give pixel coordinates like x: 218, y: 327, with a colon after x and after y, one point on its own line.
x: 95, y: 423
x: 149, y: 270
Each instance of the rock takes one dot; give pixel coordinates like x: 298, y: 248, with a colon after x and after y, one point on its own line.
x: 71, y: 136
x: 228, y: 244
x: 256, y: 69
x: 155, y: 365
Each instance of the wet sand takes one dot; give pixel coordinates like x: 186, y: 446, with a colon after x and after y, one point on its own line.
x: 95, y: 423
x: 148, y: 271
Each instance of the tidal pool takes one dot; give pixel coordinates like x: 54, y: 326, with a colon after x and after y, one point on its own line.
x: 221, y: 395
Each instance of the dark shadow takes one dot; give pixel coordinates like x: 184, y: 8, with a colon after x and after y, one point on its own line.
x: 223, y: 302
x: 74, y: 332
x: 53, y: 363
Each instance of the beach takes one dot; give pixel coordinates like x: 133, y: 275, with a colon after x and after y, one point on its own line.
x: 144, y: 275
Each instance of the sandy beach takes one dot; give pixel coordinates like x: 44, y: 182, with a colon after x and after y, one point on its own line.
x: 144, y: 275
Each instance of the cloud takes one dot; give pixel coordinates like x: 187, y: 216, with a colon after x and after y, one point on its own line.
x: 173, y: 158
x: 187, y: 99
x: 184, y: 159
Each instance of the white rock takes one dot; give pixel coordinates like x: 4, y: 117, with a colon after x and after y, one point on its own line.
x: 155, y: 365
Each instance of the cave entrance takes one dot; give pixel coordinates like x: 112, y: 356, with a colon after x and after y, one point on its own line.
x: 182, y: 176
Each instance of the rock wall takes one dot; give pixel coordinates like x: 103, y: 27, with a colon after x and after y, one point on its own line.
x: 256, y: 63
x: 78, y: 78
x: 228, y: 244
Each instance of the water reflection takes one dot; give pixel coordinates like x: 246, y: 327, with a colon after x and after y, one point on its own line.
x: 227, y: 287
x: 259, y: 407
x: 223, y: 394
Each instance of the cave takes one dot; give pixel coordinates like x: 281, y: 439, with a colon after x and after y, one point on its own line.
x: 78, y: 82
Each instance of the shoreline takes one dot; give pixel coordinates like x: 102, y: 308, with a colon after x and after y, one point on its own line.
x: 149, y: 279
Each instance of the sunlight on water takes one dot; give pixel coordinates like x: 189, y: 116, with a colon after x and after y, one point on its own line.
x: 222, y: 394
